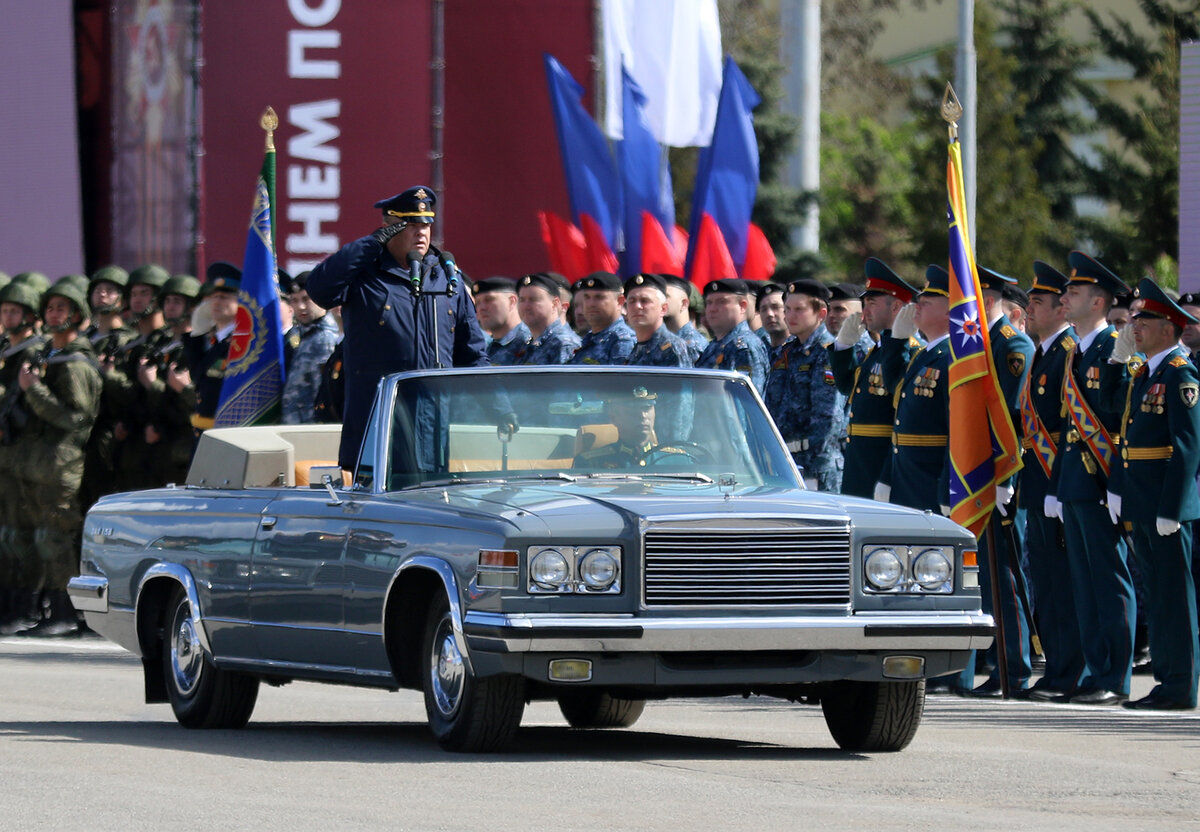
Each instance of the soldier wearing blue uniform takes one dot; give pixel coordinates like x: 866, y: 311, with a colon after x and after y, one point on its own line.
x: 800, y: 392
x: 645, y: 306
x: 1096, y: 554
x: 771, y: 312
x: 600, y: 300
x: 1012, y: 355
x: 403, y: 307
x: 1041, y: 425
x: 550, y: 340
x: 496, y: 309
x: 313, y: 337
x: 868, y: 382
x: 736, y: 347
x: 1153, y: 488
x: 678, y: 317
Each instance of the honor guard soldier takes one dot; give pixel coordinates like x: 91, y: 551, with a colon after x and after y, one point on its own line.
x: 314, y: 335
x: 645, y: 308
x: 736, y: 347
x: 1012, y: 355
x: 679, y: 314
x: 1153, y: 488
x: 403, y: 307
x: 550, y: 340
x: 496, y: 308
x: 774, y: 330
x: 600, y: 300
x: 61, y: 393
x: 869, y: 382
x: 1042, y: 421
x: 206, y: 350
x: 800, y: 392
x: 1096, y: 555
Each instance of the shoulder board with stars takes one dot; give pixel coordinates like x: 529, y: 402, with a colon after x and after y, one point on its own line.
x: 1179, y: 361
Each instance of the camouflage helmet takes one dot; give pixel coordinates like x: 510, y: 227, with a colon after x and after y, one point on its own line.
x: 22, y: 293
x: 180, y: 284
x: 78, y: 280
x: 109, y: 274
x: 4, y: 279
x: 66, y: 289
x: 37, y: 280
x: 150, y: 274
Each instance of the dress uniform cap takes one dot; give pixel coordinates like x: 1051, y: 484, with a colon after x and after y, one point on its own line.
x: 181, y: 284
x: 882, y: 280
x: 495, y: 284
x: 937, y: 281
x: 729, y: 285
x: 541, y: 280
x: 635, y: 395
x: 109, y: 274
x: 810, y: 287
x: 600, y: 281
x: 150, y: 274
x: 989, y: 279
x: 1047, y: 279
x: 67, y: 289
x: 845, y: 291
x: 414, y: 205
x: 1086, y: 269
x: 1015, y: 294
x: 1158, y: 304
x: 652, y: 281
x: 222, y: 277
x: 37, y: 280
x: 23, y: 294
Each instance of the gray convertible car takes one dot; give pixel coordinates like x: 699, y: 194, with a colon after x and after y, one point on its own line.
x: 601, y: 537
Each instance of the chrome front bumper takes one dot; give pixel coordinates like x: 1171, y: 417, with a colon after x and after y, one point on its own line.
x: 514, y: 633
x: 88, y: 593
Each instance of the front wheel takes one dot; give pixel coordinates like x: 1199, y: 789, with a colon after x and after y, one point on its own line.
x: 873, y: 716
x: 466, y: 713
x: 201, y: 694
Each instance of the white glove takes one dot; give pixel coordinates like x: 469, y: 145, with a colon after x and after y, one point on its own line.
x: 883, y: 493
x: 202, y: 319
x: 1166, y: 527
x: 905, y: 325
x: 1114, y: 507
x: 945, y: 510
x: 1125, y: 347
x: 1004, y: 495
x: 852, y: 329
x: 1051, y: 507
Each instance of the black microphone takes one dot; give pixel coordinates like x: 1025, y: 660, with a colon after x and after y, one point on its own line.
x: 414, y: 269
x: 451, y: 269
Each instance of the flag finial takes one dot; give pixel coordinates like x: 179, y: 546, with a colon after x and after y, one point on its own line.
x: 269, y: 122
x: 951, y: 110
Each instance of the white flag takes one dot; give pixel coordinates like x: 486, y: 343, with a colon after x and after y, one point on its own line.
x: 672, y: 48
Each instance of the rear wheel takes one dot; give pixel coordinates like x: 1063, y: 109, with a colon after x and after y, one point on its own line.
x: 201, y: 694
x: 873, y: 716
x: 466, y: 713
x: 596, y: 709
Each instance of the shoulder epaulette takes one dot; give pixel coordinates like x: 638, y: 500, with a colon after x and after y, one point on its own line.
x: 914, y: 343
x: 1067, y: 342
x: 1114, y: 334
x: 666, y: 346
x: 1179, y: 361
x: 1008, y: 332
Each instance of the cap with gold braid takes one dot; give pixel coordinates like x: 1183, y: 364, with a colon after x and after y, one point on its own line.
x: 1047, y: 280
x: 881, y: 280
x: 414, y: 205
x: 1086, y: 269
x: 1157, y: 304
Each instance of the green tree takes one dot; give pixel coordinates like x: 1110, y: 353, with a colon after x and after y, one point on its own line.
x: 1137, y: 172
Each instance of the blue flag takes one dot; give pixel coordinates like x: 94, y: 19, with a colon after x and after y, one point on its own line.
x: 646, y: 181
x: 253, y: 385
x: 592, y: 183
x: 727, y: 173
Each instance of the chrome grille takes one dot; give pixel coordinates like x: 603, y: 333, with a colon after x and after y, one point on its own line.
x: 795, y: 566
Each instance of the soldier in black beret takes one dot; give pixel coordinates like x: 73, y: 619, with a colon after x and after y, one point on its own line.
x: 311, y: 340
x: 684, y: 307
x: 735, y: 346
x: 600, y: 298
x: 496, y: 308
x: 645, y: 310
x: 551, y: 341
x: 774, y: 329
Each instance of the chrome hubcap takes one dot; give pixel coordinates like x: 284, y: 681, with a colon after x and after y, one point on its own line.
x: 187, y: 658
x: 446, y: 672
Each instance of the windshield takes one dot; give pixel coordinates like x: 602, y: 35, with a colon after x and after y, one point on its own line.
x: 582, y: 424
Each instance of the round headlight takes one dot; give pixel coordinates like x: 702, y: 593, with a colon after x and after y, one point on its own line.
x: 932, y: 569
x: 598, y: 569
x: 549, y: 569
x: 884, y: 569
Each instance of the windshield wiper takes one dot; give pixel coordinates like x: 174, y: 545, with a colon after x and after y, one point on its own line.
x: 557, y: 475
x: 696, y: 477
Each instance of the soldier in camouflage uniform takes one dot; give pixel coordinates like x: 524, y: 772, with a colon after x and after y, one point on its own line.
x: 19, y: 303
x: 61, y: 396
x: 646, y: 304
x: 313, y: 337
x: 107, y: 334
x: 678, y: 318
x: 609, y: 340
x: 496, y: 310
x: 726, y: 303
x: 550, y: 340
x: 801, y: 394
x: 774, y: 330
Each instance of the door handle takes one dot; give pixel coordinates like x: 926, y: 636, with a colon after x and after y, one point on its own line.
x: 268, y: 522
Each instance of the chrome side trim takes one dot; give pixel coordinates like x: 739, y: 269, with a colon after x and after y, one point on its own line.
x: 185, y: 579
x: 450, y: 583
x: 89, y: 593
x: 304, y: 668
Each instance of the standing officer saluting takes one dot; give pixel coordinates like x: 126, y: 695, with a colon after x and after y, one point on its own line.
x: 1153, y: 488
x: 403, y: 307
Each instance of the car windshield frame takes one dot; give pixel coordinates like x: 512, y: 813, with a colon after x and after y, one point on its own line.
x: 575, y: 424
